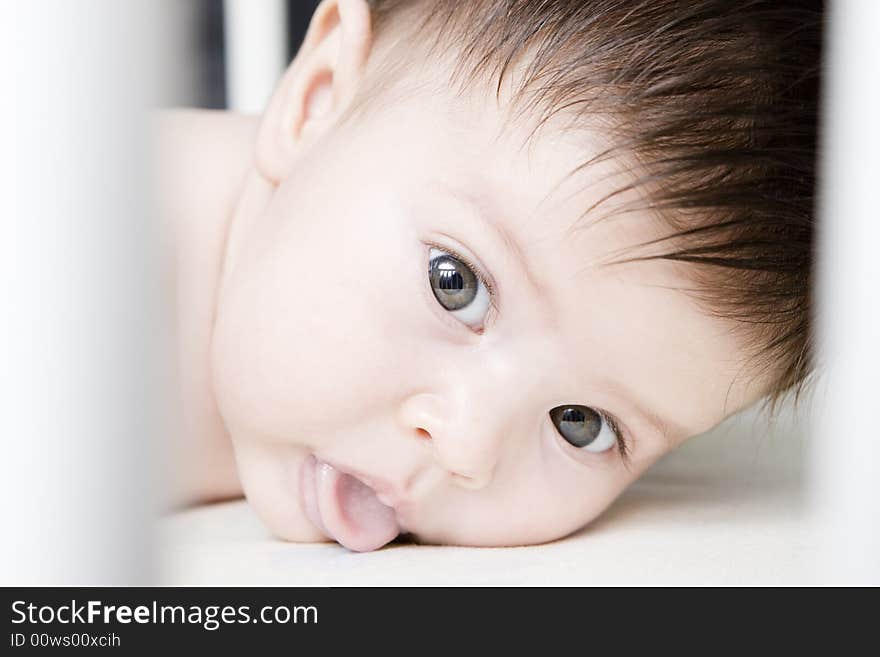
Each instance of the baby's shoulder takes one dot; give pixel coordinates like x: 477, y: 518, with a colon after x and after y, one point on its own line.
x: 216, y: 131
x: 199, y: 160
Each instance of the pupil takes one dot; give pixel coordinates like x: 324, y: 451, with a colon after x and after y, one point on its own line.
x: 451, y: 280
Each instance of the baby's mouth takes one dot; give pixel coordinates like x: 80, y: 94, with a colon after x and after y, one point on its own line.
x: 345, y: 508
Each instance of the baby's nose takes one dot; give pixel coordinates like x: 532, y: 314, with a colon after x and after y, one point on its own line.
x: 464, y: 441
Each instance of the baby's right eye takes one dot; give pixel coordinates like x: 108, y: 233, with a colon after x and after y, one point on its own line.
x: 458, y: 288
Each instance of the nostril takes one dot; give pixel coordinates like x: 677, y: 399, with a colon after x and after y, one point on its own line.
x: 421, y: 433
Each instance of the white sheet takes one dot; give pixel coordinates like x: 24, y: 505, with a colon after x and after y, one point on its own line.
x: 727, y: 508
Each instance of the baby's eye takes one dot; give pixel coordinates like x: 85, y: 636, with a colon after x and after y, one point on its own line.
x: 583, y: 427
x: 458, y: 288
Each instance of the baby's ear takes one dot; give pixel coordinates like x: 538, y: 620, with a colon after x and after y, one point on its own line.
x: 317, y: 86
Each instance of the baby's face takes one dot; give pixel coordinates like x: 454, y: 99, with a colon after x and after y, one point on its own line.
x: 411, y: 306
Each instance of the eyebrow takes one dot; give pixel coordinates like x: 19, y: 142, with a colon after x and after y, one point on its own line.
x: 660, y: 424
x: 487, y: 214
x: 508, y: 240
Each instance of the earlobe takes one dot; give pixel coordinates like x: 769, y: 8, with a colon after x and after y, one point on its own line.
x: 317, y: 86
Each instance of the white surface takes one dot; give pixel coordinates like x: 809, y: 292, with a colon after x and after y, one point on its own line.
x: 81, y: 321
x: 846, y: 485
x: 725, y: 509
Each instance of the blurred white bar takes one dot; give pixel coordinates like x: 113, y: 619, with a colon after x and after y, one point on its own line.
x: 255, y: 32
x: 846, y: 439
x: 82, y: 327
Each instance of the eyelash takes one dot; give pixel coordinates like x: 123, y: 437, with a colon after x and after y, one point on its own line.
x: 623, y: 448
x: 622, y: 444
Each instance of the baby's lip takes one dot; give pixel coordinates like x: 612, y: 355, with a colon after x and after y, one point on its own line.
x: 387, y: 492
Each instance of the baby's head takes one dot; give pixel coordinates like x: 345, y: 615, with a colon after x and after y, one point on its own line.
x: 496, y: 257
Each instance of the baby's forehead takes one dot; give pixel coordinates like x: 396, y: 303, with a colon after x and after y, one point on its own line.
x: 554, y: 182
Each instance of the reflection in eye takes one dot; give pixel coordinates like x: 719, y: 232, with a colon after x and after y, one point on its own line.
x: 583, y: 427
x: 458, y: 288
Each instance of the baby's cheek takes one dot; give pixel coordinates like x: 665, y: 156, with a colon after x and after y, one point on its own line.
x: 308, y: 339
x: 535, y: 501
x: 279, y: 351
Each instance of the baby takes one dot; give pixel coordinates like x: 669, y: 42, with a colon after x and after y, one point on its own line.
x: 481, y: 263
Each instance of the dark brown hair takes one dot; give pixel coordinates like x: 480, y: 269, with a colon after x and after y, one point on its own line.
x: 717, y: 100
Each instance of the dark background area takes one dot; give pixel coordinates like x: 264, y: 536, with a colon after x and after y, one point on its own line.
x: 208, y: 37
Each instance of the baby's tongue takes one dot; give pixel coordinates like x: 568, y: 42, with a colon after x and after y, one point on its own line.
x: 351, y: 512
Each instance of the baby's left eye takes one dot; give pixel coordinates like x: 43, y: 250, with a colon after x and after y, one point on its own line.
x: 458, y: 288
x: 584, y: 427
